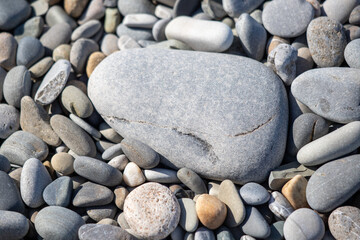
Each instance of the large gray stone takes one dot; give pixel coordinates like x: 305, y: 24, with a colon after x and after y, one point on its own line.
x: 13, y: 225
x: 332, y: 93
x: 12, y: 13
x: 214, y: 113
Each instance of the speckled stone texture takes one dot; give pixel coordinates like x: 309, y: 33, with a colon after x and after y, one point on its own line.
x: 152, y: 211
x: 229, y: 113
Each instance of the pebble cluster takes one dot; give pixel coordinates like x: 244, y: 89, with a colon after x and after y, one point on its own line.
x: 180, y: 119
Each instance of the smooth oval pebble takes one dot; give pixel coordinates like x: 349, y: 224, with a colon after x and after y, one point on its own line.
x: 21, y: 145
x: 95, y: 10
x: 254, y: 224
x: 254, y: 194
x: 192, y: 180
x: 139, y: 20
x: 112, y: 20
x: 135, y: 33
x: 98, y: 213
x: 210, y: 211
x: 112, y: 152
x: 56, y: 14
x: 109, y: 133
x: 158, y: 30
x: 352, y: 53
x: 133, y: 176
x: 329, y: 147
x: 189, y: 220
x: 13, y: 225
x: 40, y: 68
x: 327, y: 41
x: 97, y: 171
x: 76, y: 102
x: 280, y: 206
x: 161, y: 175
x: 328, y: 189
x: 75, y: 7
x: 109, y: 44
x: 344, y: 222
x: 100, y: 231
x: 56, y: 222
x: 355, y: 16
x: 13, y: 12
x: 80, y: 51
x: 287, y: 19
x: 94, y: 59
x: 120, y: 196
x: 73, y: 136
x: 152, y: 211
x: 62, y: 52
x: 217, y: 38
x: 9, y: 121
x: 304, y: 224
x: 58, y: 193
x: 10, y: 199
x: 30, y: 50
x: 8, y: 51
x: 91, y: 194
x: 86, y: 30
x: 135, y: 6
x: 62, y: 163
x: 339, y: 11
x: 56, y: 35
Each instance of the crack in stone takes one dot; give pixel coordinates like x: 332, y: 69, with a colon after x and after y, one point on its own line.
x: 253, y: 130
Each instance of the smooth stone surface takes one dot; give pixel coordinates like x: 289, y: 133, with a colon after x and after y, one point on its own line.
x: 94, y: 59
x: 62, y: 163
x: 100, y: 231
x: 327, y: 189
x: 33, y: 181
x: 158, y: 30
x: 32, y: 27
x: 229, y: 195
x: 135, y: 33
x: 39, y: 7
x: 112, y: 20
x: 352, y: 53
x: 191, y: 180
x: 354, y: 17
x: 304, y: 224
x: 73, y: 136
x: 80, y: 51
x: 84, y: 125
x: 17, y: 84
x: 223, y: 233
x: 254, y: 194
x: 58, y: 34
x: 75, y: 7
x: 344, y: 222
x: 287, y: 18
x: 204, y: 233
x: 109, y: 44
x: 140, y: 153
x: 98, y: 213
x: 34, y: 119
x: 86, y: 30
x: 185, y: 7
x: 339, y: 11
x: 56, y: 222
x: 133, y: 176
x: 163, y: 12
x: 112, y: 152
x: 30, y: 50
x: 329, y: 147
x: 126, y: 42
x: 327, y: 41
x: 56, y: 14
x: 40, y: 68
x: 218, y: 152
x: 10, y: 199
x: 295, y: 192
x: 8, y: 49
x: 331, y: 93
x: 21, y: 145
x: 76, y: 102
x: 13, y: 225
x: 254, y: 224
x: 58, y: 193
x: 235, y: 8
x: 94, y: 11
x: 4, y: 164
x: 135, y: 6
x: 152, y: 211
x: 139, y: 20
x: 210, y: 211
x: 97, y: 171
x: 252, y: 36
x: 217, y: 38
x: 161, y: 175
x: 91, y: 194
x: 189, y: 220
x: 277, y: 232
x: 12, y: 13
x: 120, y: 196
x: 280, y: 206
x: 9, y: 121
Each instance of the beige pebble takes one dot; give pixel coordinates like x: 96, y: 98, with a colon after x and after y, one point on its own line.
x: 109, y: 133
x: 273, y: 42
x: 120, y: 195
x: 108, y: 221
x: 63, y: 163
x: 75, y: 7
x: 94, y: 59
x: 295, y: 192
x: 112, y: 19
x: 119, y: 162
x: 62, y: 52
x: 133, y: 176
x: 210, y: 211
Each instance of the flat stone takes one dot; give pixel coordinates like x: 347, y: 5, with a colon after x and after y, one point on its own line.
x: 152, y: 211
x: 210, y: 211
x: 56, y: 14
x: 204, y: 233
x: 304, y: 224
x: 97, y: 171
x: 63, y: 163
x: 185, y: 7
x: 339, y: 11
x: 33, y: 181
x: 161, y: 175
x: 329, y: 147
x: 254, y: 194
x: 73, y: 136
x: 135, y: 33
x: 91, y: 194
x: 13, y: 13
x: 75, y: 7
x: 188, y: 218
x: 80, y: 51
x: 21, y: 145
x: 10, y: 120
x: 58, y: 34
x: 112, y: 20
x: 331, y: 93
x: 327, y: 41
x: 252, y: 36
x: 344, y: 222
x: 351, y: 53
x: 287, y: 18
x: 254, y: 224
x: 295, y: 192
x: 58, y: 193
x: 218, y: 152
x: 8, y: 49
x: 112, y: 152
x: 17, y: 84
x: 229, y: 195
x: 109, y: 44
x: 328, y: 189
x: 217, y: 37
x: 98, y: 213
x: 191, y: 180
x: 58, y: 222
x: 10, y: 199
x: 13, y: 225
x: 135, y: 6
x: 86, y: 30
x: 40, y: 68
x: 280, y: 206
x: 32, y: 27
x: 139, y: 20
x: 84, y: 125
x: 99, y: 231
x: 94, y: 11
x: 94, y: 59
x: 133, y: 176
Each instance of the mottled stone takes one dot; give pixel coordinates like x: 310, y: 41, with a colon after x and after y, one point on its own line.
x: 280, y: 206
x: 58, y: 193
x: 9, y: 121
x: 13, y: 225
x: 210, y: 211
x: 10, y: 199
x: 352, y: 52
x: 344, y: 222
x: 17, y: 84
x: 91, y: 194
x: 13, y: 12
x: 254, y: 194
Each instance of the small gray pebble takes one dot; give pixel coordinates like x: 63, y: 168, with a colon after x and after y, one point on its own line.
x: 254, y: 194
x: 58, y: 34
x: 32, y: 27
x: 191, y: 180
x: 56, y: 14
x: 112, y: 152
x: 91, y: 194
x: 58, y: 193
x: 352, y: 53
x: 84, y: 125
x: 80, y: 51
x: 12, y: 200
x: 203, y: 233
x: 254, y: 224
x: 135, y: 6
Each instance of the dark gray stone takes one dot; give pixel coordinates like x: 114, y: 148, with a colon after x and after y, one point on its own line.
x: 32, y: 27
x: 192, y: 180
x: 101, y: 231
x: 13, y: 225
x: 344, y: 222
x: 60, y: 223
x: 254, y: 194
x: 135, y: 6
x: 203, y: 233
x: 91, y: 194
x: 4, y: 164
x: 97, y: 171
x: 80, y: 51
x: 56, y: 35
x: 140, y: 153
x: 135, y: 33
x: 332, y: 93
x: 352, y: 53
x: 277, y: 231
x: 17, y: 84
x: 181, y: 121
x: 287, y: 19
x: 333, y: 183
x: 9, y: 121
x: 254, y: 224
x: 10, y: 199
x: 185, y: 7
x: 21, y: 146
x: 98, y: 213
x: 30, y: 50
x: 2, y: 79
x: 327, y: 41
x: 58, y: 193
x: 234, y: 8
x: 12, y: 13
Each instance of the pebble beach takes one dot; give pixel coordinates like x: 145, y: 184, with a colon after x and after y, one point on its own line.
x: 179, y: 119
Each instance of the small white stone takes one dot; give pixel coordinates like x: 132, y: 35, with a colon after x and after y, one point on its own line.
x: 140, y: 20
x: 133, y: 175
x: 119, y: 162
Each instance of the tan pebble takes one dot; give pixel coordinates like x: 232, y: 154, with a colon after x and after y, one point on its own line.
x: 304, y: 61
x: 120, y: 195
x: 15, y: 175
x: 49, y: 168
x: 63, y: 163
x: 75, y: 7
x: 41, y: 67
x: 62, y: 52
x: 112, y: 19
x: 79, y: 84
x: 273, y: 42
x: 122, y: 221
x: 174, y: 187
x: 133, y: 176
x: 119, y: 162
x: 108, y: 221
x: 8, y: 46
x: 94, y: 59
x: 295, y: 192
x: 210, y: 211
x: 109, y: 133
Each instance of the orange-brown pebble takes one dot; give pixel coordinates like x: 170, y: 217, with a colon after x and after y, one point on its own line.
x: 120, y: 195
x: 295, y: 192
x: 75, y: 7
x: 94, y: 59
x: 210, y: 211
